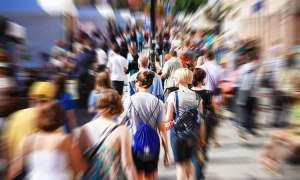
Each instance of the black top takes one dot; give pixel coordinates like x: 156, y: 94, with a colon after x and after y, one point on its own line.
x: 132, y: 66
x: 204, y: 94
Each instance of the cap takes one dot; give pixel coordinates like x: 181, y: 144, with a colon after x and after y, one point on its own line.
x: 224, y: 60
x: 167, y: 56
x: 4, y: 65
x: 42, y: 91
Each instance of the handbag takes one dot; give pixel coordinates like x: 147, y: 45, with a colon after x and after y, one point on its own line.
x: 211, y: 119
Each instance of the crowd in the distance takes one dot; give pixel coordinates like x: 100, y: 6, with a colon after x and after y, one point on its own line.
x: 201, y: 74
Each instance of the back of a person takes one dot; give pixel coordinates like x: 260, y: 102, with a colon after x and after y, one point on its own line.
x: 173, y: 65
x: 189, y: 53
x: 117, y: 64
x: 213, y: 77
x: 101, y: 54
x: 140, y: 37
x: 205, y: 95
x: 47, y: 160
x: 83, y: 60
x: 186, y: 100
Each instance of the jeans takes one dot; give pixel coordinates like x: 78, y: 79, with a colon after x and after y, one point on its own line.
x: 140, y: 46
x: 197, y: 165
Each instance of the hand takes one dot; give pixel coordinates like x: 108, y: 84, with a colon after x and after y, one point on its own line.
x: 167, y: 160
x: 202, y: 144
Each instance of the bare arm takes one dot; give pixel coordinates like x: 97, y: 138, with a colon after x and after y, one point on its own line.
x: 108, y: 70
x: 163, y: 75
x: 164, y: 138
x: 72, y: 118
x: 202, y: 127
x: 17, y: 164
x: 170, y: 111
x: 91, y: 110
x: 125, y: 70
x: 126, y: 154
x: 215, y: 105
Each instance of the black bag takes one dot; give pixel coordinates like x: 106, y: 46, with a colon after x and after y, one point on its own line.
x: 211, y: 119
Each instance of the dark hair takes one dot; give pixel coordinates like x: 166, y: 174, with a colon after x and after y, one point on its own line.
x: 209, y: 55
x: 60, y: 82
x: 146, y: 78
x: 135, y: 57
x: 110, y: 103
x: 116, y: 49
x: 50, y: 117
x: 173, y: 53
x: 253, y: 57
x: 103, y: 47
x: 198, y: 76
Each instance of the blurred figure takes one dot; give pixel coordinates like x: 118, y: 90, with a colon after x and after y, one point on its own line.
x: 67, y: 102
x: 188, y: 52
x: 175, y: 42
x: 102, y: 57
x: 158, y: 65
x: 132, y: 51
x: 124, y: 49
x: 138, y: 113
x: 115, y: 152
x: 47, y: 154
x: 133, y: 66
x: 47, y: 67
x: 117, y: 68
x: 140, y: 41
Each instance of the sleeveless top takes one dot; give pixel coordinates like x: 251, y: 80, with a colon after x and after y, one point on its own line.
x: 47, y: 165
x: 106, y: 164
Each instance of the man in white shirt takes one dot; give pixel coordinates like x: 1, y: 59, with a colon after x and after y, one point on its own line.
x: 175, y: 42
x: 117, y: 67
x: 102, y: 57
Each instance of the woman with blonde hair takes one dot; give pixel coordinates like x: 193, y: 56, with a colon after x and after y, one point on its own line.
x: 181, y: 102
x: 106, y: 144
x: 102, y: 83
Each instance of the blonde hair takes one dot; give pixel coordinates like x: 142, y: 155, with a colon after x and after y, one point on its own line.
x: 184, y: 75
x: 102, y: 82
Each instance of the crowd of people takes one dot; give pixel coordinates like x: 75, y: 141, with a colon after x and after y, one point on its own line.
x: 198, y: 75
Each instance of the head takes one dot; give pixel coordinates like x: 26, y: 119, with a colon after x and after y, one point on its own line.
x: 253, y: 58
x: 199, y: 76
x: 42, y: 92
x: 131, y: 50
x: 224, y: 63
x: 103, y: 47
x: 209, y: 55
x: 59, y: 82
x: 109, y: 103
x: 173, y: 53
x: 135, y: 57
x: 116, y: 49
x: 187, y: 43
x: 183, y: 76
x: 143, y: 62
x: 103, y: 81
x: 144, y: 80
x: 50, y: 116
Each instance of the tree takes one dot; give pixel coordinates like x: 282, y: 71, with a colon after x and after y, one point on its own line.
x: 187, y: 6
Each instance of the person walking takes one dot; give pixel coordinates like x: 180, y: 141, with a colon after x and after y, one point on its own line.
x: 102, y: 57
x: 145, y: 109
x: 117, y: 67
x: 107, y: 144
x: 133, y: 66
x: 140, y: 41
x: 155, y: 89
x: 188, y: 52
x: 45, y: 153
x: 181, y: 102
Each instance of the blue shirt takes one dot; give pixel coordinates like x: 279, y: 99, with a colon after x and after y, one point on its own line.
x: 83, y: 62
x: 140, y: 37
x: 67, y: 100
x: 155, y: 89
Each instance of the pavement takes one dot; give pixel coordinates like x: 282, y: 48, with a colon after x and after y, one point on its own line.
x: 234, y: 160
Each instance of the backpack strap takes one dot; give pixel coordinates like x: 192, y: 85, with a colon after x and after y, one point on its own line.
x: 176, y: 103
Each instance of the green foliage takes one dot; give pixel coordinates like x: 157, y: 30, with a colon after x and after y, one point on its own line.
x: 187, y: 6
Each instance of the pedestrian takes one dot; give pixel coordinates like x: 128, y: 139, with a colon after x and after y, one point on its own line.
x: 47, y: 67
x: 123, y: 49
x: 181, y: 102
x: 46, y: 154
x: 67, y: 102
x: 133, y: 66
x: 176, y: 42
x: 168, y: 72
x: 209, y: 106
x: 113, y: 159
x: 131, y: 50
x: 117, y: 67
x: 158, y: 65
x: 188, y: 52
x: 145, y: 109
x: 140, y: 41
x: 84, y: 61
x: 155, y: 89
x: 102, y: 57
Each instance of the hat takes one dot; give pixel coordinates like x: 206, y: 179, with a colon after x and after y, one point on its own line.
x: 42, y: 91
x: 224, y: 60
x: 4, y: 65
x: 167, y: 56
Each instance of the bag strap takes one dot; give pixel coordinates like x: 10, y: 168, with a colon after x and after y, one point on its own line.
x: 102, y: 141
x: 176, y: 103
x: 210, y: 76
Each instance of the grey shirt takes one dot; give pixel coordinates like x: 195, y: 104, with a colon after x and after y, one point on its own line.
x: 189, y: 53
x: 170, y: 67
x: 144, y: 104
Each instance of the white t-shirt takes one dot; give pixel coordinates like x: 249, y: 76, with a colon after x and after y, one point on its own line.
x: 101, y: 56
x: 117, y: 64
x: 176, y: 42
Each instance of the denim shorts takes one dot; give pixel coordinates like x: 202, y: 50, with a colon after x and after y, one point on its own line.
x: 180, y: 151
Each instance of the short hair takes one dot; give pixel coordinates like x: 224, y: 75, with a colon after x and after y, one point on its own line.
x: 143, y: 61
x: 135, y: 57
x: 187, y: 43
x: 110, y: 103
x: 102, y: 82
x: 116, y: 49
x: 173, y: 53
x: 103, y: 47
x: 146, y: 78
x: 184, y: 75
x: 209, y: 55
x: 198, y: 76
x: 50, y: 117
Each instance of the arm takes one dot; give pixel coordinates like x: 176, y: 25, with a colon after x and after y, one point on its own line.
x: 163, y: 75
x: 108, y: 70
x: 72, y: 118
x: 125, y: 70
x: 164, y: 138
x: 215, y: 106
x: 17, y: 164
x: 202, y: 129
x: 126, y: 154
x: 165, y: 70
x: 170, y: 111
